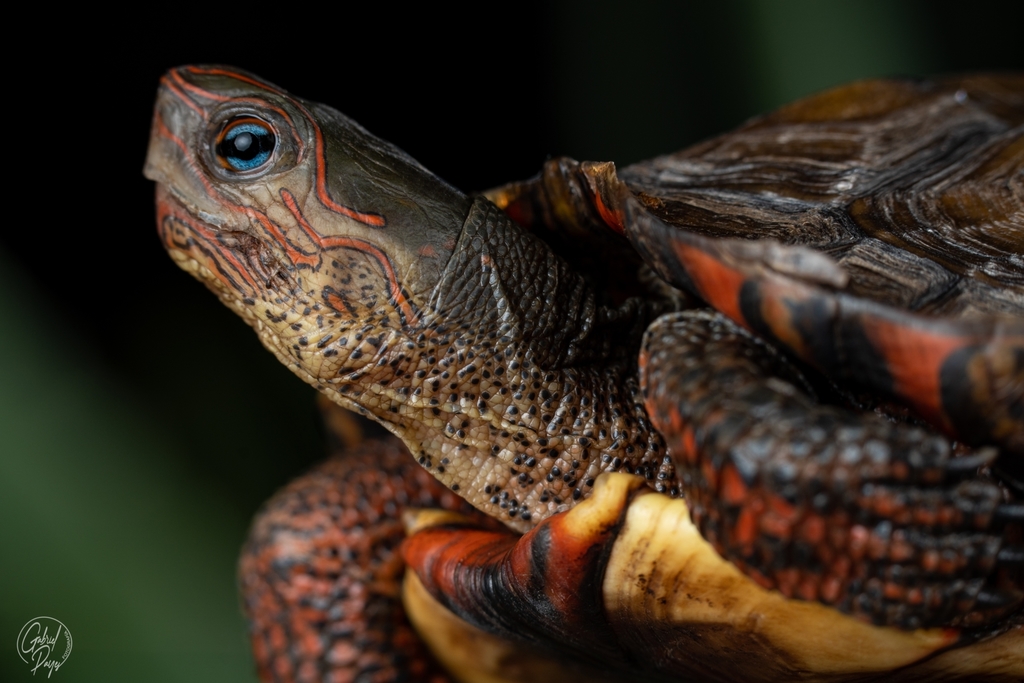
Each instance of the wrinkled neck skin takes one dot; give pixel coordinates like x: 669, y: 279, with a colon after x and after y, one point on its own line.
x: 516, y: 390
x: 399, y: 297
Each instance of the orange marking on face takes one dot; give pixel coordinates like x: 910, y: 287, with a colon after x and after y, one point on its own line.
x: 168, y: 209
x: 371, y: 219
x: 206, y: 94
x: 398, y: 298
x: 164, y: 131
x: 181, y: 83
x: 259, y: 101
x: 232, y: 74
x: 719, y: 284
x: 295, y: 255
x: 176, y: 91
x: 196, y: 90
x: 914, y: 359
x: 427, y: 251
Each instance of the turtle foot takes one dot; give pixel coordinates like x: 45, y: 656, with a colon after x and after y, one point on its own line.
x: 876, y: 518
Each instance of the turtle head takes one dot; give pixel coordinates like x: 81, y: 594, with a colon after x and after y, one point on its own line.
x: 396, y: 295
x: 305, y: 224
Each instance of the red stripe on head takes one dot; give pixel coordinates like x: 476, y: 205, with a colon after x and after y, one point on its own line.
x: 397, y: 296
x: 168, y: 210
x: 238, y: 76
x: 371, y: 219
x: 177, y: 92
x: 164, y: 131
x: 196, y: 90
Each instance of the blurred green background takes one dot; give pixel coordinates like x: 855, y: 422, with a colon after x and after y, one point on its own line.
x: 141, y: 425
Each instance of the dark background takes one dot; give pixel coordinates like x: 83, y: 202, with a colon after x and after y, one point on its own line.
x: 141, y: 424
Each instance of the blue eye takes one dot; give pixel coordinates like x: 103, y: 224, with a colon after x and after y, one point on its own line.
x: 245, y: 143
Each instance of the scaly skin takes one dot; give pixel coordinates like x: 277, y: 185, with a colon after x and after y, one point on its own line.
x: 400, y: 298
x: 321, y: 575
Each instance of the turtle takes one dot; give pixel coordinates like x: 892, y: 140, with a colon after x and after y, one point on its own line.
x: 753, y: 410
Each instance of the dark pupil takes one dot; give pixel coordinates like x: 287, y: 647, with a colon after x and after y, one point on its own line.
x: 246, y: 146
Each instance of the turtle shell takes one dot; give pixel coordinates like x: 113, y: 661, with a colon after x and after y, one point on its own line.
x: 912, y: 188
x: 821, y: 225
x: 914, y: 191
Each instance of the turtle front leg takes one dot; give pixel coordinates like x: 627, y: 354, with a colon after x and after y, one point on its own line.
x: 876, y: 518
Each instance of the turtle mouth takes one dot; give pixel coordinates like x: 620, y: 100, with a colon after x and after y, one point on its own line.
x: 229, y: 259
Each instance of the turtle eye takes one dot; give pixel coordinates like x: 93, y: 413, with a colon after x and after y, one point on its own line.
x: 245, y: 143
